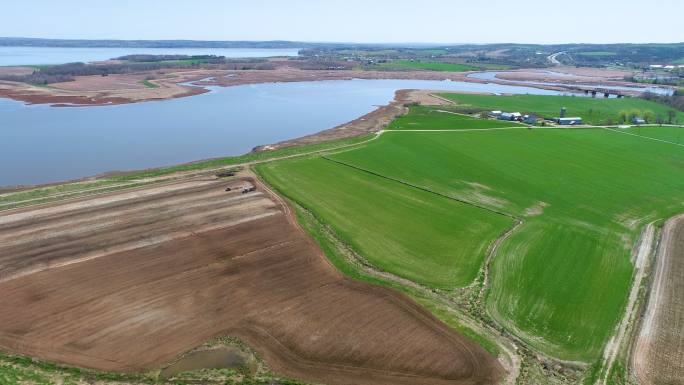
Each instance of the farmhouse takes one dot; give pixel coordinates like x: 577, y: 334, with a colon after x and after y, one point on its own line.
x: 569, y: 121
x: 530, y: 119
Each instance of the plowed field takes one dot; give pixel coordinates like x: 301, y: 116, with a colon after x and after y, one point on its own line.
x: 128, y: 281
x: 659, y: 353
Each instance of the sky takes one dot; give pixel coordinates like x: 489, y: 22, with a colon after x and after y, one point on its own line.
x: 364, y: 21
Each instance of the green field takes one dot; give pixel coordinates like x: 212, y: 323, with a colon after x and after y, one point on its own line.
x: 414, y: 234
x: 668, y: 134
x: 597, y: 111
x: 428, y: 66
x: 561, y: 280
x: 585, y: 195
x: 429, y: 118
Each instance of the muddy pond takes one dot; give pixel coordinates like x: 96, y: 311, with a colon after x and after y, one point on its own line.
x: 217, y: 358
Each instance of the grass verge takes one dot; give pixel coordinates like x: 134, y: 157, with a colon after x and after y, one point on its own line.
x: 336, y: 250
x: 44, y: 194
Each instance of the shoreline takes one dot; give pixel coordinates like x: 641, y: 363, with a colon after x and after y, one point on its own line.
x: 170, y: 84
x: 197, y: 82
x: 371, y: 122
x: 88, y: 91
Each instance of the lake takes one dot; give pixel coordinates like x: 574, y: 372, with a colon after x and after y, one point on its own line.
x: 13, y: 56
x: 42, y: 144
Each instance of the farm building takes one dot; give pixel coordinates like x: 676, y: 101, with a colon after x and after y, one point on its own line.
x: 511, y: 116
x: 530, y: 119
x: 569, y: 121
x: 494, y: 114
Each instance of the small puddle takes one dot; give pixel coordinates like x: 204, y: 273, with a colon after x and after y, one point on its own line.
x: 219, y: 358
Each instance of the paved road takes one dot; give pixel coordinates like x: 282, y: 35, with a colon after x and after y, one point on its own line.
x: 554, y: 58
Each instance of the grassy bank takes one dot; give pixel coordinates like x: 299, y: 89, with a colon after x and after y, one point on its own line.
x: 37, y: 195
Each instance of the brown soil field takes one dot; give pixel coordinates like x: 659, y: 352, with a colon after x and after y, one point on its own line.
x: 39, y: 95
x: 16, y: 71
x: 658, y: 356
x: 104, y: 90
x: 128, y: 281
x: 104, y: 83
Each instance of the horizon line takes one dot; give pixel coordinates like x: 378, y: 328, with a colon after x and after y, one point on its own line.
x: 329, y: 42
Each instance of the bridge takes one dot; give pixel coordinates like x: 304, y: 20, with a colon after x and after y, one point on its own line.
x: 606, y: 92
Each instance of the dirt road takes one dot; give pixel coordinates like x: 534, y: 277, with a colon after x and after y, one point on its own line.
x: 658, y: 356
x: 642, y: 254
x: 128, y: 281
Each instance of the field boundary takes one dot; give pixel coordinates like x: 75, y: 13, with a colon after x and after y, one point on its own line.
x: 643, y: 252
x: 641, y: 136
x: 162, y: 179
x: 460, y: 129
x: 511, y: 335
x: 422, y: 188
x: 363, y: 270
x: 646, y: 327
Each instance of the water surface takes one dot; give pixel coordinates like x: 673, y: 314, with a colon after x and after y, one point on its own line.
x: 42, y: 144
x: 13, y: 56
x: 219, y: 358
x: 492, y: 76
